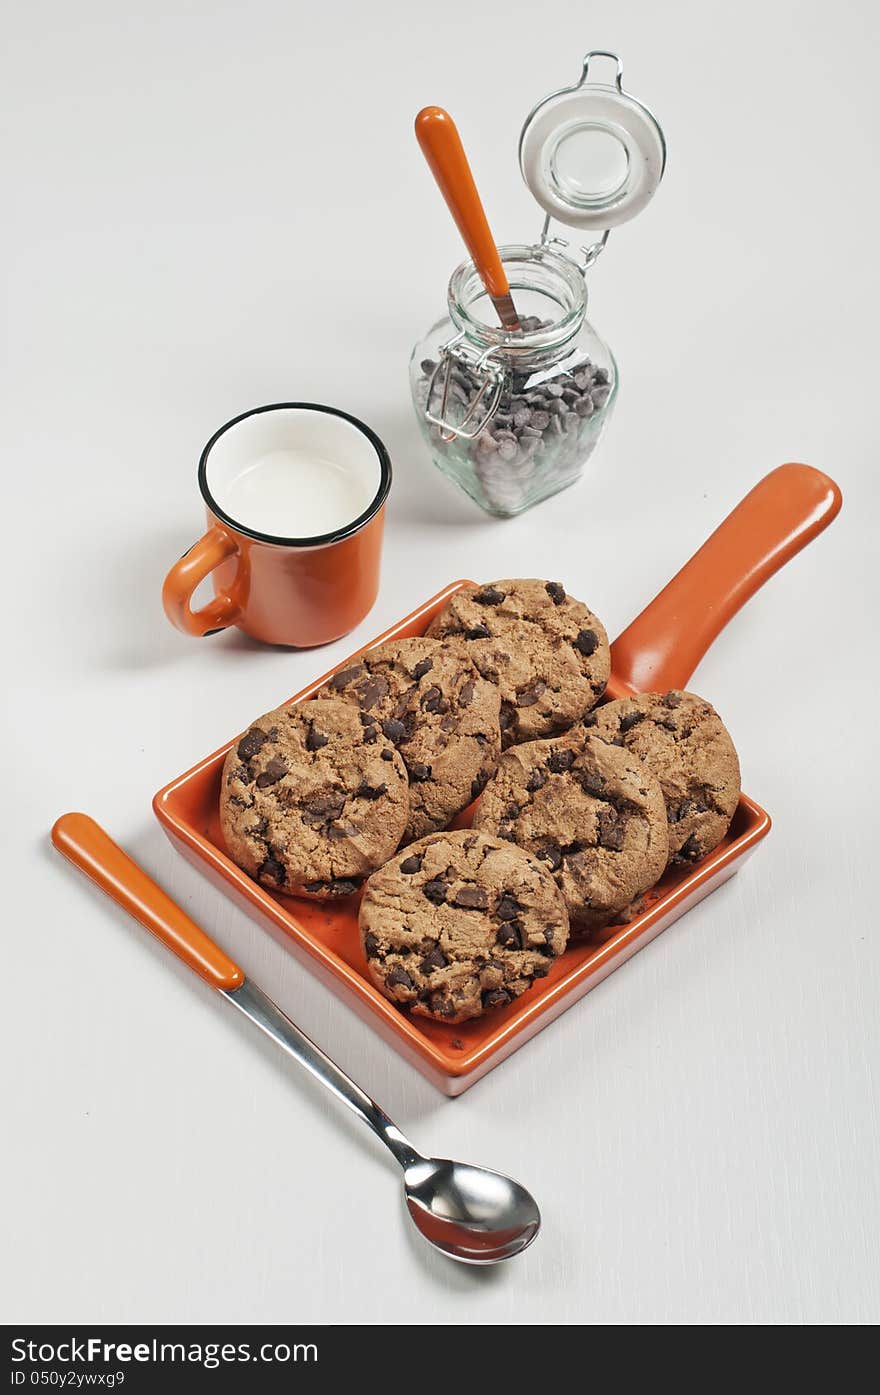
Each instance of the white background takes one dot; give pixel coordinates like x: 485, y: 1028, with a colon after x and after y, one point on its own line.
x: 210, y: 206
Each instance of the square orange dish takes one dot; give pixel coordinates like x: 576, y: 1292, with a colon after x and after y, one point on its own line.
x: 659, y: 650
x: 325, y: 934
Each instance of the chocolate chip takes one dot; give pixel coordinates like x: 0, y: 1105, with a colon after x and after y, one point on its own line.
x: 432, y: 700
x: 690, y: 851
x: 550, y: 934
x: 477, y: 632
x: 592, y: 783
x: 394, y: 730
x: 457, y: 1044
x: 435, y: 960
x: 422, y: 667
x: 540, y: 971
x: 240, y: 803
x: 536, y: 781
x: 672, y: 698
x: 590, y: 720
x: 259, y: 828
x: 399, y: 978
x: 323, y: 808
x: 252, y: 742
x: 315, y: 739
x: 587, y: 642
x: 368, y: 791
x: 371, y: 944
x: 479, y: 784
x: 274, y: 869
x: 507, y: 716
x: 343, y: 886
x: 554, y: 590
x: 490, y: 595
x: 275, y: 770
x: 338, y: 832
x: 346, y: 676
x: 241, y: 773
x: 371, y: 733
x: 511, y: 813
x: 631, y: 720
x: 419, y: 773
x: 560, y: 760
x: 508, y: 907
x: 611, y: 828
x: 373, y: 692
x: 436, y: 891
x: 510, y: 935
x: 496, y: 997
x: 669, y: 724
x: 552, y: 856
x: 465, y: 697
x: 411, y: 864
x: 529, y: 696
x: 472, y: 898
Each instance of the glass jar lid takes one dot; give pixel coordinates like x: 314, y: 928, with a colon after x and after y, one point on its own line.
x: 592, y: 155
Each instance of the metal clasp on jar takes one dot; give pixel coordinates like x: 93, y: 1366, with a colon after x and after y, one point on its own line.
x: 590, y: 253
x: 448, y: 378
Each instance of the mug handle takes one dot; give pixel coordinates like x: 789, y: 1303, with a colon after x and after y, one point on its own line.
x: 201, y: 559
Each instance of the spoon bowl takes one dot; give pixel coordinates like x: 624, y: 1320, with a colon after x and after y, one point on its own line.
x: 470, y: 1213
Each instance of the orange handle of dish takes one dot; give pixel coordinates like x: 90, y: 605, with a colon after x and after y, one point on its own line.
x: 785, y: 511
x: 437, y: 134
x: 186, y: 575
x: 93, y: 851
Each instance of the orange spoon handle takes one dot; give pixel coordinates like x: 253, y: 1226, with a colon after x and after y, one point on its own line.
x: 90, y: 849
x: 437, y: 134
x: 785, y: 511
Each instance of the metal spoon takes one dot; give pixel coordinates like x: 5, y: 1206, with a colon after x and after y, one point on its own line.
x: 468, y: 1213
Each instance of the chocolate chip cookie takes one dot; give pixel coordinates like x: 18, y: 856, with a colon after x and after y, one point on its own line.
x: 683, y: 741
x: 591, y: 812
x: 313, y: 798
x: 428, y: 701
x: 546, y: 652
x: 460, y: 923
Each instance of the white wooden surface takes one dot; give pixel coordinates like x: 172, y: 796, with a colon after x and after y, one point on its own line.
x: 212, y: 206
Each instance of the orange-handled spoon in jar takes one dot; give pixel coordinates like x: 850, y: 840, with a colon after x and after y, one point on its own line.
x: 438, y: 136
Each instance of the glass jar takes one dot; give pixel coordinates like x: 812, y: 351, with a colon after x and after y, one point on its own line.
x: 513, y: 417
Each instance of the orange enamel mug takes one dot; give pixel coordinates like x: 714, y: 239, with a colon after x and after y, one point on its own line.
x: 295, y: 496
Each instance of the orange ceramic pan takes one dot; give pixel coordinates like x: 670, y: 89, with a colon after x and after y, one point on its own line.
x: 660, y: 649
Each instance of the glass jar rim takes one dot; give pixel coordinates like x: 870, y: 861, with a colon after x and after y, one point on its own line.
x: 466, y: 286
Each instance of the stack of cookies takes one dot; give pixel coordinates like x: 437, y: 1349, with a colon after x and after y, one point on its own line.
x: 581, y: 807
